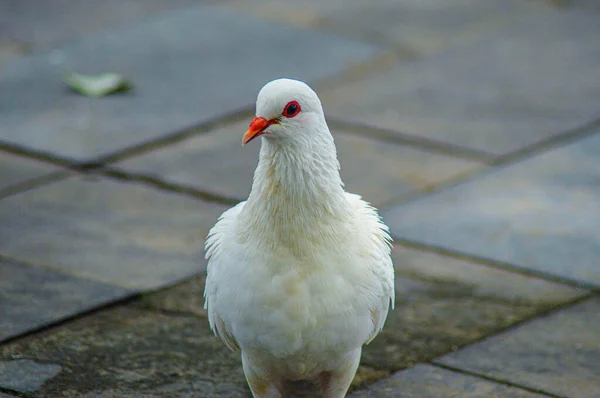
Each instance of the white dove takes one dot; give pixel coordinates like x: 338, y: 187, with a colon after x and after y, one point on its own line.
x: 299, y: 276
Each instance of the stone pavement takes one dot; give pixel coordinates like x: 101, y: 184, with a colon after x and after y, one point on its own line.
x: 474, y: 125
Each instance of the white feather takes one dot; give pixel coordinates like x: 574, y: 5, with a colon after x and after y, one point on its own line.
x: 300, y: 274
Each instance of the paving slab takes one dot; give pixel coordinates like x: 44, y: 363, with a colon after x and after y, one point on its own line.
x: 426, y: 381
x: 441, y: 303
x: 215, y: 162
x: 16, y: 169
x: 559, y: 354
x: 511, y: 89
x: 48, y: 23
x: 161, y: 345
x: 131, y: 352
x: 31, y: 298
x: 10, y: 50
x: 118, y: 233
x: 188, y: 67
x: 26, y: 376
x: 589, y: 5
x: 542, y: 214
x: 416, y: 26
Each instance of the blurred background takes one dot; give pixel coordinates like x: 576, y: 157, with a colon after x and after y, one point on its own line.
x: 471, y: 124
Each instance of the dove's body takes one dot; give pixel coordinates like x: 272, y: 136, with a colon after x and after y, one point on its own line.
x: 299, y: 275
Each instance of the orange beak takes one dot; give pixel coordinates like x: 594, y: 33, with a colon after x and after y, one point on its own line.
x: 256, y: 129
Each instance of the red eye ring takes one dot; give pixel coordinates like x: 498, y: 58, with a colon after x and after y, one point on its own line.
x: 291, y: 109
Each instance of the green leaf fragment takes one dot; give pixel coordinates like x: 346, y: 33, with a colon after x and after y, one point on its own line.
x: 96, y: 86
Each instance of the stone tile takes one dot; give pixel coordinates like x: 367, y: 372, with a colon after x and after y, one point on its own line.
x: 26, y: 376
x: 3, y: 395
x: 31, y: 298
x: 16, y: 169
x: 524, y: 83
x: 129, y: 352
x: 161, y: 344
x: 441, y: 303
x: 117, y: 233
x: 9, y: 50
x: 188, y: 66
x: 542, y: 214
x: 414, y: 25
x: 187, y: 298
x: 45, y: 24
x: 589, y: 5
x: 426, y: 381
x: 216, y: 162
x: 558, y: 354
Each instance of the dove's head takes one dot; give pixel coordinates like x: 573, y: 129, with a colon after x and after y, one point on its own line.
x: 287, y: 111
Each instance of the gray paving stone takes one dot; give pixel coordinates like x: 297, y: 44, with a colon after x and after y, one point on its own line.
x: 128, y: 352
x: 559, y: 354
x: 441, y: 303
x: 589, y: 5
x: 426, y: 381
x: 31, y: 298
x: 161, y: 345
x: 216, y: 162
x: 3, y: 395
x: 516, y: 87
x: 45, y: 24
x: 188, y: 66
x: 16, y: 169
x: 10, y: 50
x: 117, y: 233
x: 420, y: 27
x: 26, y: 376
x: 541, y: 214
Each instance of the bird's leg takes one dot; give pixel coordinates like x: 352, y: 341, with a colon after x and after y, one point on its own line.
x: 258, y: 381
x: 335, y: 384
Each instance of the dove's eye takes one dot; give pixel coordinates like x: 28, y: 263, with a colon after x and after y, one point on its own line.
x: 291, y: 109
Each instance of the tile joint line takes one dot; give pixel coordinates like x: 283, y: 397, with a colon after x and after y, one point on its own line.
x: 504, y: 266
x: 494, y: 380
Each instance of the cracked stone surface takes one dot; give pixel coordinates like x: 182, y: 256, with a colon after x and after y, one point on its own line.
x: 16, y: 170
x: 119, y: 233
x: 26, y: 376
x: 426, y: 381
x: 31, y: 298
x: 161, y: 344
x: 541, y: 214
x: 188, y: 67
x: 379, y: 171
x: 514, y: 88
x: 558, y: 354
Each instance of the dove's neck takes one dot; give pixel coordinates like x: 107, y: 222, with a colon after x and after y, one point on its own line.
x: 297, y: 200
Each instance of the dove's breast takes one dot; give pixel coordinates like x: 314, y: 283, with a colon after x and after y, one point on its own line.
x: 300, y: 312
